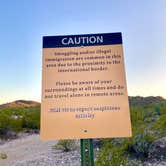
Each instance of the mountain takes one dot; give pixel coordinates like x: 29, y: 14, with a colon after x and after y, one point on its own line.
x: 136, y: 101
x: 20, y: 104
x: 139, y: 101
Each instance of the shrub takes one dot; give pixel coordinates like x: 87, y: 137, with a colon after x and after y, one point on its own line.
x: 13, y: 120
x: 31, y: 119
x: 65, y: 145
x: 142, y: 145
x: 159, y: 126
x: 4, y: 124
x: 148, y: 125
x: 111, y: 154
x: 16, y: 124
x: 157, y: 110
x: 111, y: 158
x: 3, y: 156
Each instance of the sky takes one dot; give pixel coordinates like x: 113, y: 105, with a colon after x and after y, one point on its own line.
x: 23, y: 23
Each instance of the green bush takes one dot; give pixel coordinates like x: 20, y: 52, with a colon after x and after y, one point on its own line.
x: 4, y: 124
x: 159, y: 126
x: 111, y: 154
x: 110, y: 157
x: 148, y: 125
x: 14, y: 120
x: 31, y: 119
x: 142, y: 144
x: 3, y: 156
x: 65, y: 145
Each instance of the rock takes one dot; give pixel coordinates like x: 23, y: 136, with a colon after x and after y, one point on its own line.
x: 1, y: 141
x: 11, y: 134
x: 97, y: 143
x: 71, y: 158
x: 158, y: 149
x: 33, y: 131
x: 154, y: 163
x: 139, y: 101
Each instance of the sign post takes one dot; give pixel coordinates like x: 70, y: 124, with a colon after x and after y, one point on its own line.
x: 84, y: 92
x: 87, y: 156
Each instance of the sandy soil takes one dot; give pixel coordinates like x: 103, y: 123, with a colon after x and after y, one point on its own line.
x: 26, y: 148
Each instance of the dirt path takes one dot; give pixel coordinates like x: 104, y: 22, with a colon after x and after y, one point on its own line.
x: 27, y: 148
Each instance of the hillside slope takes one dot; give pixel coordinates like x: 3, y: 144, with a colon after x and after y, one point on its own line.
x: 134, y: 101
x: 139, y: 101
x: 20, y: 104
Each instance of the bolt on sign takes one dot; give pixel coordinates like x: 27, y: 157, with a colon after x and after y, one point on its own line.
x: 84, y: 93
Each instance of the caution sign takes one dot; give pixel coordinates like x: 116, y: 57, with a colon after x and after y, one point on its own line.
x: 84, y: 93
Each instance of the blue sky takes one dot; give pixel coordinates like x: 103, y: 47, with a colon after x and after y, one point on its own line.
x: 24, y: 22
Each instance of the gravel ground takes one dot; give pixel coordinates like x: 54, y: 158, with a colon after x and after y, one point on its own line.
x: 31, y: 151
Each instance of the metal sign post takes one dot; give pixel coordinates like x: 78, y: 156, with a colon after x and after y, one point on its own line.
x: 87, y: 156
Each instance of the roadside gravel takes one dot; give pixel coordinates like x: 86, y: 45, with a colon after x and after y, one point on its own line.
x: 31, y: 151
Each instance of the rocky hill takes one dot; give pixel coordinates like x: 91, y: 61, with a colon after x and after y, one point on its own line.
x: 136, y: 101
x: 20, y: 104
x: 139, y: 101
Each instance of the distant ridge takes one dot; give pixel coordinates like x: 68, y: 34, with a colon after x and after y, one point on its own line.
x: 139, y: 101
x: 20, y: 104
x: 136, y: 101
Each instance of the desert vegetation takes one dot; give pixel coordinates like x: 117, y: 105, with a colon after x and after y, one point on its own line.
x: 14, y: 120
x: 148, y: 126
